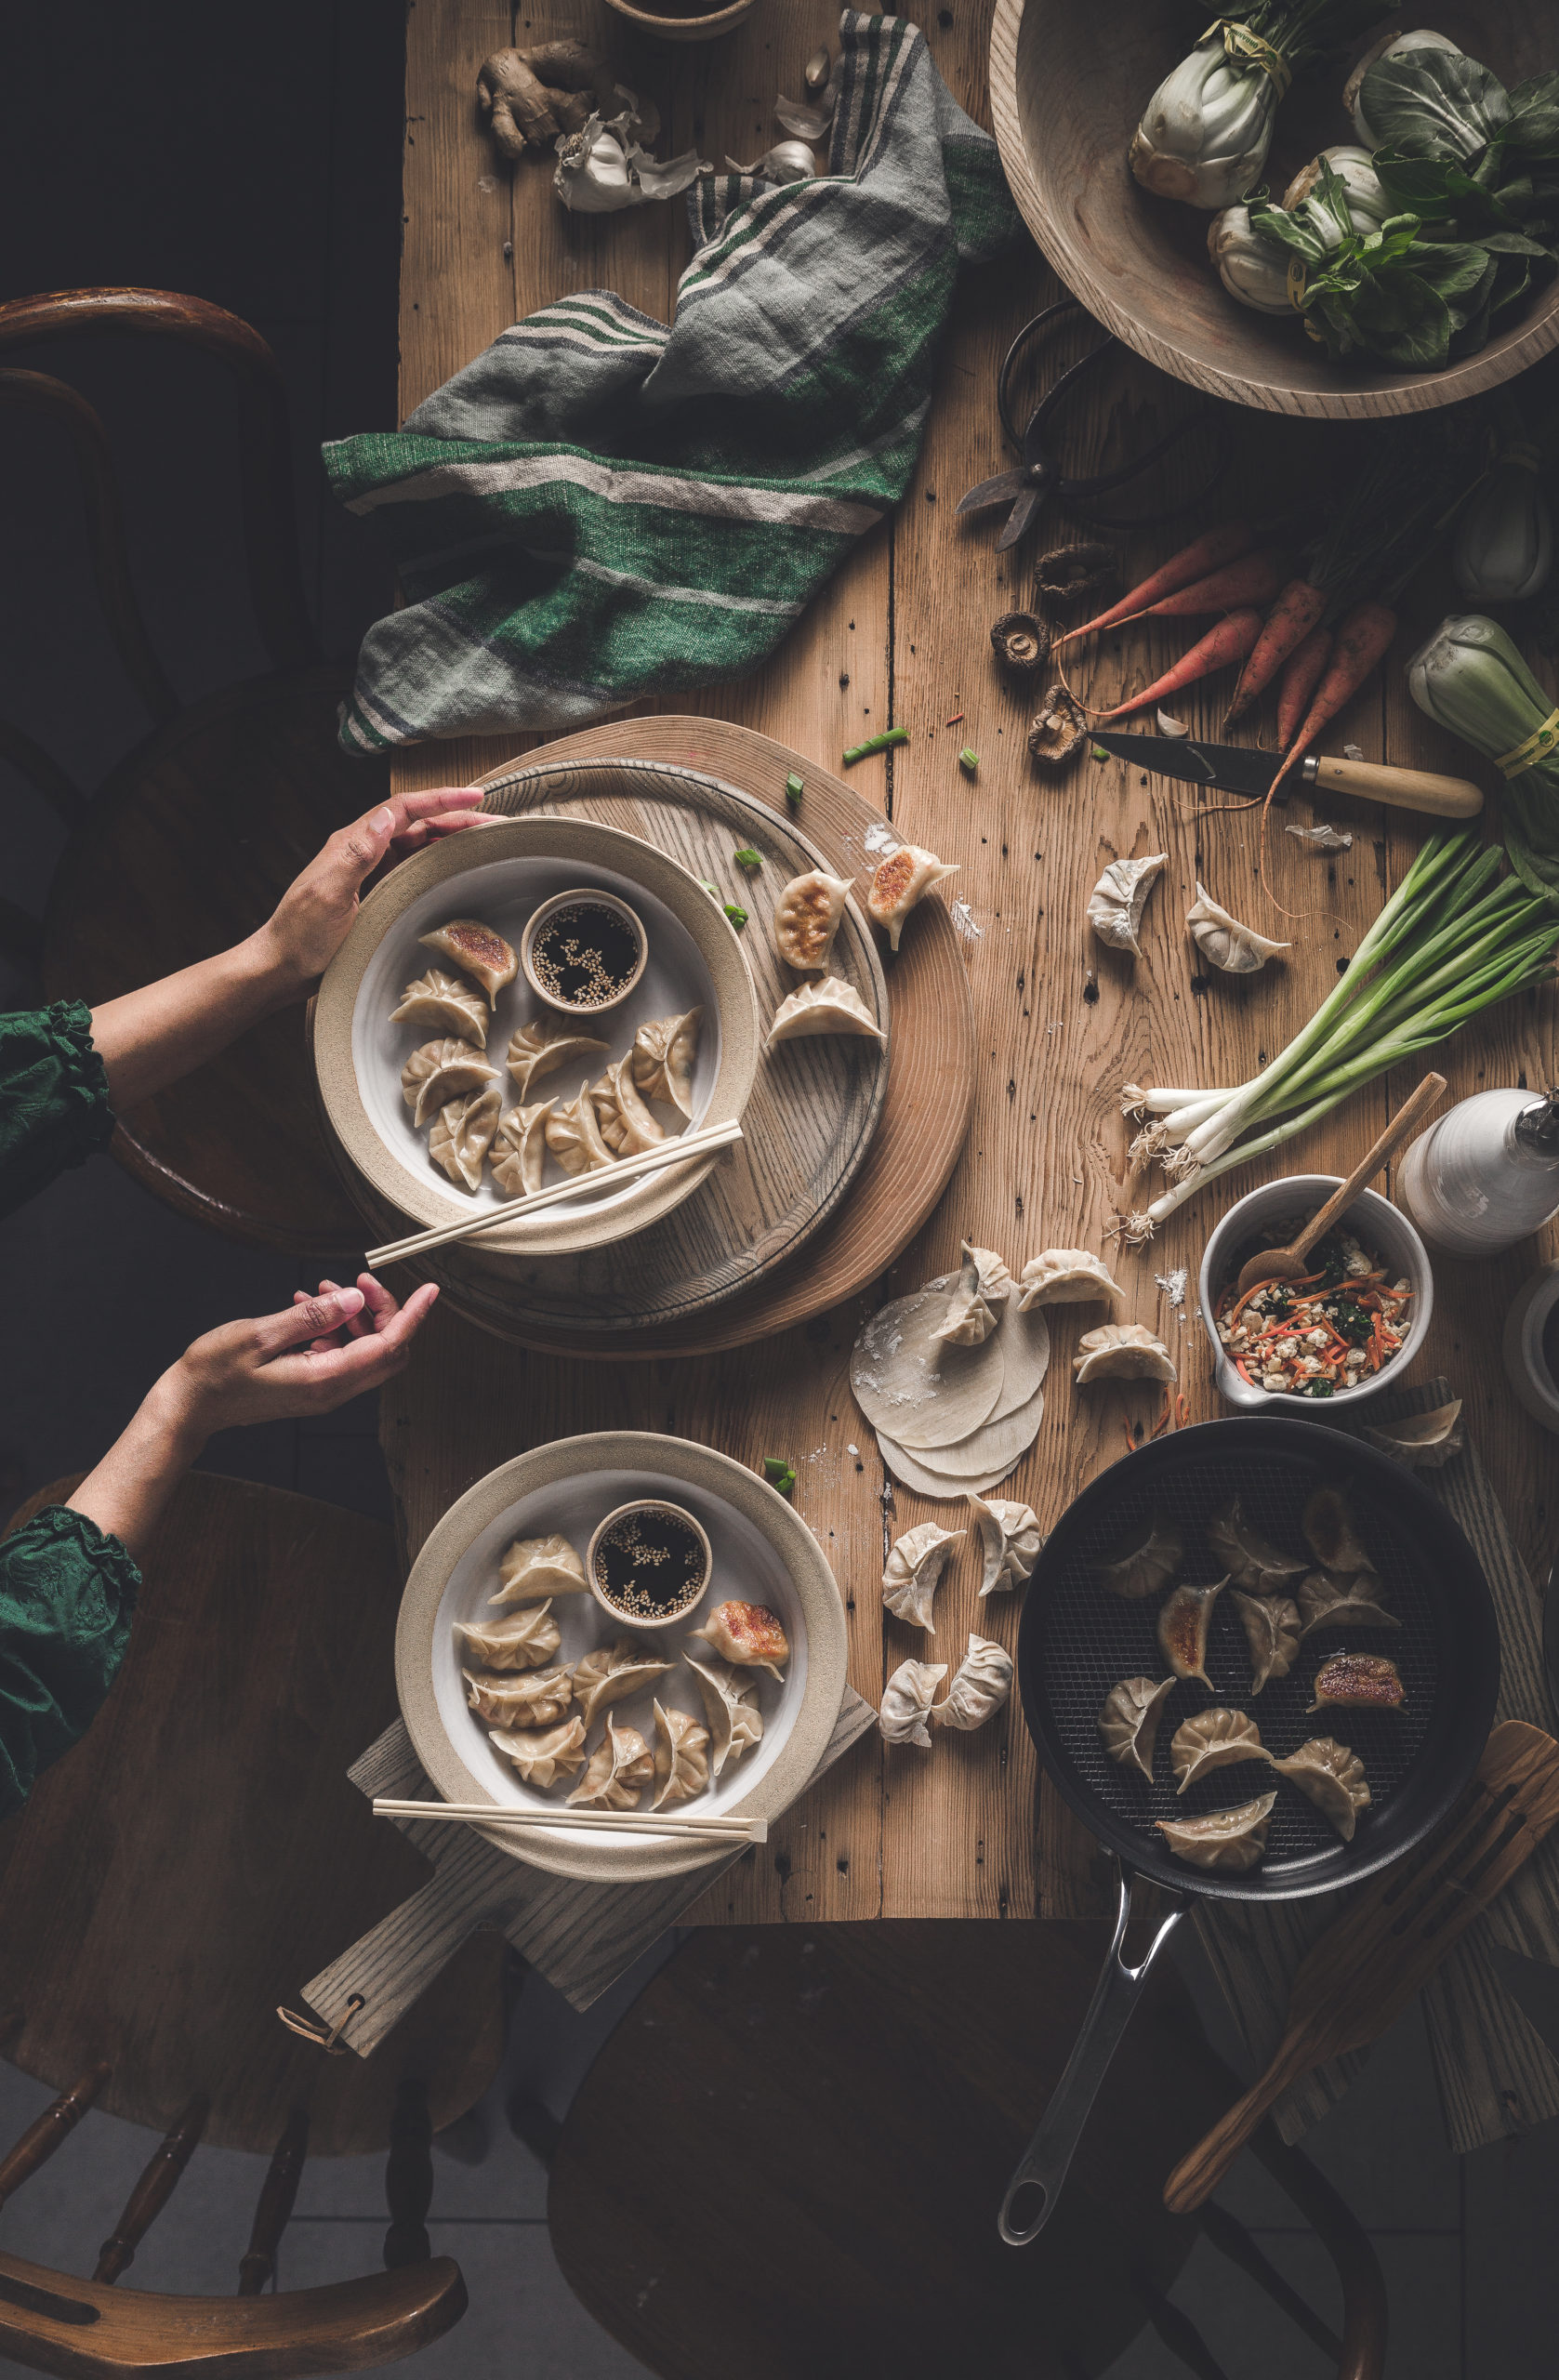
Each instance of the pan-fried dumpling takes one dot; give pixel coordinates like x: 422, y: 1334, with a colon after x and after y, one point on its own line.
x: 527, y: 1699
x: 620, y: 1765
x: 807, y: 917
x: 664, y: 1054
x: 900, y: 878
x: 1129, y: 1721
x: 1233, y: 1840
x: 747, y: 1633
x: 1010, y: 1538
x: 1145, y: 1560
x: 1358, y: 1682
x: 1213, y: 1740
x: 626, y: 1125
x: 681, y: 1757
x: 1329, y: 1602
x: 915, y: 1562
x: 522, y: 1643
x: 612, y: 1671
x: 1329, y: 1775
x: 463, y: 1134
x: 907, y: 1699
x: 730, y: 1708
x: 535, y: 1566
x: 479, y: 950
x: 831, y: 1007
x: 1251, y: 1561
x: 544, y: 1045
x: 542, y: 1759
x: 518, y: 1151
x: 1223, y: 942
x: 444, y: 1002
x: 974, y: 1307
x: 1064, y: 1276
x: 1182, y: 1629
x: 1121, y: 1351
x: 574, y: 1135
x: 441, y: 1071
x: 981, y: 1684
x: 1332, y: 1531
x: 1272, y: 1632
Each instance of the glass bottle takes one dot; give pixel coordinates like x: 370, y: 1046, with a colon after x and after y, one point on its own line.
x: 1487, y: 1175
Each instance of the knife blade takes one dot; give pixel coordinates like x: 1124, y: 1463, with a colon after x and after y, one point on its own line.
x: 1238, y: 768
x: 1235, y: 767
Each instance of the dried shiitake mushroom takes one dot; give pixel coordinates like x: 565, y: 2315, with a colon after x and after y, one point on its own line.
x: 1059, y: 731
x: 530, y: 97
x: 1075, y: 573
x: 1021, y: 643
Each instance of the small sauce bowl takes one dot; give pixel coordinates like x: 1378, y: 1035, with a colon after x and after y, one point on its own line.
x: 542, y: 951
x: 648, y: 1526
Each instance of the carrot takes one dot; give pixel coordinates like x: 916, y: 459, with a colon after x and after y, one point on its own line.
x: 1363, y: 638
x: 1193, y: 562
x: 1254, y: 578
x: 1297, y: 611
x: 1300, y: 681
x: 1221, y: 646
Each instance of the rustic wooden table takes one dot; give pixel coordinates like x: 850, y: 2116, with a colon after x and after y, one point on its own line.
x: 901, y: 637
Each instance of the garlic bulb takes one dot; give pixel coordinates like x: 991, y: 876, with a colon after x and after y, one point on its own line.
x: 788, y: 161
x: 1393, y: 45
x: 1253, y: 269
x: 604, y: 167
x: 1205, y: 133
x: 1503, y: 548
x: 1367, y: 202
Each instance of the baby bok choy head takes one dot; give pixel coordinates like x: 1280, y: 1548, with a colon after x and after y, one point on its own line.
x: 1469, y: 678
x: 1393, y: 46
x: 1503, y: 548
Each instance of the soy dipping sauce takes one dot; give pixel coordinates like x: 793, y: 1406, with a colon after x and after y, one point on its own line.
x: 585, y: 956
x: 651, y: 1564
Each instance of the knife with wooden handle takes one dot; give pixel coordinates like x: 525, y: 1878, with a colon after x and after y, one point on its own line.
x: 1245, y: 767
x: 1404, y: 788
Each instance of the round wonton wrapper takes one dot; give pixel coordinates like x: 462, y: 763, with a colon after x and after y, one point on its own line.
x: 906, y: 1381
x: 934, y: 1484
x: 1026, y: 1355
x: 976, y: 1463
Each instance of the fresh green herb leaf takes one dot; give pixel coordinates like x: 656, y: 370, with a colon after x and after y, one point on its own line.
x: 712, y: 889
x: 793, y: 788
x: 738, y: 915
x: 779, y: 1474
x: 876, y: 744
x: 750, y: 859
x: 968, y: 760
x: 1097, y: 752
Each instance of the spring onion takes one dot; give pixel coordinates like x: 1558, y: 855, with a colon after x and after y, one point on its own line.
x: 1454, y: 938
x: 968, y: 760
x: 748, y: 859
x: 793, y: 788
x: 735, y: 911
x: 779, y: 1474
x: 1469, y: 678
x: 876, y: 743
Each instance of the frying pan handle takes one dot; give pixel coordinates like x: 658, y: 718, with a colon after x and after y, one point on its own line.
x: 1051, y: 2151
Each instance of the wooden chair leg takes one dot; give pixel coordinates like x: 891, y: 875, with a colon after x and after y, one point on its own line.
x: 152, y: 2192
x: 408, y: 2179
x: 41, y: 2139
x: 272, y: 2215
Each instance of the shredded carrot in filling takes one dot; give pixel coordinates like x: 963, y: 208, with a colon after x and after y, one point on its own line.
x: 1319, y: 1334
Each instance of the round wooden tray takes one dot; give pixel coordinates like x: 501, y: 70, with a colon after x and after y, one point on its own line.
x: 928, y: 1088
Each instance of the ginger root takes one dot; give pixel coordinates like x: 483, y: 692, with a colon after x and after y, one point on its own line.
x: 531, y: 97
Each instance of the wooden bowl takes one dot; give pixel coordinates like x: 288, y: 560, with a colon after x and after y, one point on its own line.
x: 704, y: 25
x: 1065, y: 102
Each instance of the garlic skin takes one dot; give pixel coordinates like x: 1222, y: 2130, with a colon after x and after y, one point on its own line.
x: 1503, y: 548
x: 1253, y: 269
x: 605, y: 166
x: 1391, y: 46
x: 1205, y: 131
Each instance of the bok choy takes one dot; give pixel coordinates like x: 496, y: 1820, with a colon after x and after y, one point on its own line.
x: 1469, y: 678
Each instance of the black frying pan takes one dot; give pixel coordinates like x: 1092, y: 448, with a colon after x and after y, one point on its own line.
x: 1076, y: 1641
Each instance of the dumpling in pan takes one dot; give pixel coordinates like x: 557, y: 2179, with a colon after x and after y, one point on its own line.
x: 1272, y: 1632
x: 544, y: 1045
x: 574, y: 1135
x: 1332, y: 1531
x: 915, y: 1562
x: 831, y: 1007
x: 681, y: 1757
x: 1254, y: 1563
x: 612, y: 1671
x: 466, y: 943
x: 1358, y: 1682
x: 902, y: 878
x: 730, y: 1707
x: 1129, y: 1721
x: 1121, y: 1351
x: 1182, y: 1631
x: 626, y: 1125
x: 664, y: 1054
x: 522, y: 1643
x: 1065, y: 1276
x: 974, y: 1307
x: 441, y: 1071
x: 538, y: 1566
x: 747, y: 1633
x: 1213, y: 1740
x: 463, y: 1134
x: 906, y: 1701
x: 807, y: 917
x: 1145, y: 1560
x: 1329, y: 1602
x: 542, y: 1759
x: 529, y: 1699
x: 1233, y: 1840
x: 444, y: 1003
x: 519, y: 1151
x: 1329, y: 1775
x: 981, y: 1684
x: 1010, y: 1538
x: 619, y: 1767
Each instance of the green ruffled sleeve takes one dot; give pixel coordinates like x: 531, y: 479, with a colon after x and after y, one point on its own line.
x: 54, y: 1109
x: 67, y: 1596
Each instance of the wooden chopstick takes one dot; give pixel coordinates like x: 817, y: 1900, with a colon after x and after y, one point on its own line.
x: 690, y: 1144
x: 710, y: 1828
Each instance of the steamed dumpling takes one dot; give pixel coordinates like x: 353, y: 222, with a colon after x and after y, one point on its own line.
x: 619, y: 1767
x: 574, y: 1135
x: 538, y: 1566
x: 830, y: 1007
x: 807, y: 917
x: 681, y: 1757
x: 747, y: 1633
x: 520, y: 1698
x: 466, y: 943
x: 1121, y: 1351
x: 730, y: 1707
x: 1064, y: 1276
x: 463, y: 1134
x: 1329, y: 1602
x: 441, y: 1071
x: 981, y: 1684
x: 518, y: 1151
x: 900, y: 878
x: 1145, y: 1559
x: 664, y: 1054
x: 522, y: 1643
x: 1009, y: 1540
x: 915, y: 1562
x: 1233, y: 1840
x: 1251, y: 1561
x: 1272, y: 1632
x: 974, y: 1307
x: 1329, y: 1775
x: 626, y: 1125
x: 1331, y: 1530
x: 544, y: 1045
x: 906, y: 1701
x: 612, y: 1671
x: 1129, y: 1721
x: 445, y: 1002
x: 1213, y: 1740
x: 1223, y: 942
x: 543, y: 1758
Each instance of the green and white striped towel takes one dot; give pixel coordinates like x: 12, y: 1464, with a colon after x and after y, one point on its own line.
x: 601, y: 507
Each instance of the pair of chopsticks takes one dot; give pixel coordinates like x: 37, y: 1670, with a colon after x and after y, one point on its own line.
x: 690, y: 1144
x: 710, y: 1828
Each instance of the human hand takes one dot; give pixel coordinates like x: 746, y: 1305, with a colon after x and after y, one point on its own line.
x: 337, y: 1344
x: 312, y: 918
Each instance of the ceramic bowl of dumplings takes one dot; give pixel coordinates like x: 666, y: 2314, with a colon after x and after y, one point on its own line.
x: 502, y: 874
x: 761, y: 1551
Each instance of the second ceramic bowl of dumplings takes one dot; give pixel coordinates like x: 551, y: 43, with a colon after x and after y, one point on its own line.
x: 762, y: 1552
x: 501, y: 874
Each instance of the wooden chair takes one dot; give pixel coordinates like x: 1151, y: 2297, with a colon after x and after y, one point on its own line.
x: 788, y: 2159
x: 185, y: 847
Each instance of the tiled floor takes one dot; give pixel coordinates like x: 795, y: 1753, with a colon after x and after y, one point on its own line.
x: 256, y: 163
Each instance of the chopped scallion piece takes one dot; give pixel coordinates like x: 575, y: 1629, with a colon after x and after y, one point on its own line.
x: 750, y: 859
x: 736, y: 914
x: 712, y: 889
x: 968, y: 760
x: 779, y: 1474
x: 794, y: 789
x: 876, y: 743
x: 1097, y: 752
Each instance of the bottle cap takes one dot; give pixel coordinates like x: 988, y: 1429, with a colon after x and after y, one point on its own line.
x: 1537, y: 1128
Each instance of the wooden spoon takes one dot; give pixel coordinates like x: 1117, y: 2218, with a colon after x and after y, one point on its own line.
x: 1290, y: 1264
